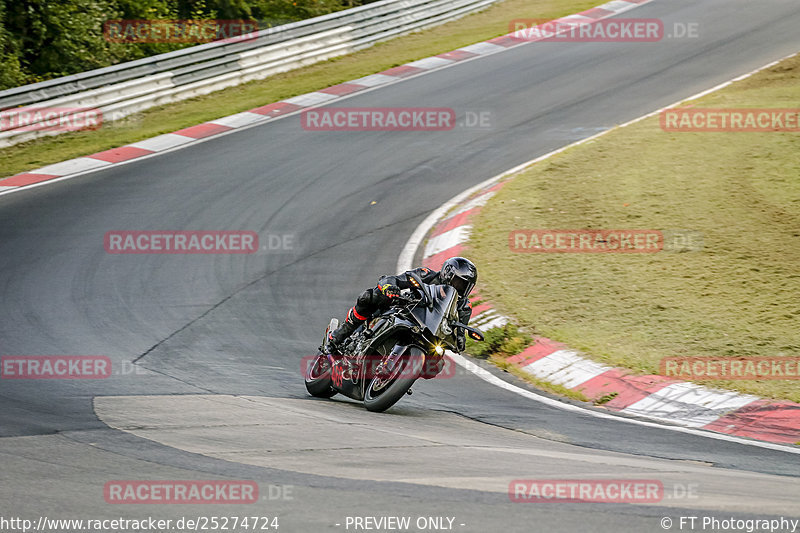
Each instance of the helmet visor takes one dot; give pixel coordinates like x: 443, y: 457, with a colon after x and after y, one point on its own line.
x: 461, y: 285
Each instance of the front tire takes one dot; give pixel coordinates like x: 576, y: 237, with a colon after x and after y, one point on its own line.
x: 382, y: 393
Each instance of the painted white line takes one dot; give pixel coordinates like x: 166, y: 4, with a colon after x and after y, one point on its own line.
x: 375, y: 80
x: 484, y: 317
x: 71, y: 165
x: 483, y: 48
x: 494, y: 380
x: 311, y: 99
x: 390, y: 80
x: 478, y: 201
x: 431, y: 62
x: 498, y: 322
x: 407, y: 255
x: 239, y: 119
x: 565, y: 367
x: 162, y: 142
x: 447, y: 240
x: 577, y: 19
x: 406, y: 262
x: 406, y: 259
x: 689, y: 404
x: 618, y: 6
x: 488, y: 320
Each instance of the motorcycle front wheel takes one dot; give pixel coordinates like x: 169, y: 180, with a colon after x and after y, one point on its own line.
x: 384, y: 392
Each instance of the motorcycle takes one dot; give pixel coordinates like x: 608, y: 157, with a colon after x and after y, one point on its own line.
x: 383, y: 358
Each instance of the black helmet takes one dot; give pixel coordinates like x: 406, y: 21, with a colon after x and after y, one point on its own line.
x: 459, y: 273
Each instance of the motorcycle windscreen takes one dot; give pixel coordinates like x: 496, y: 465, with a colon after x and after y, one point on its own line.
x: 444, y: 299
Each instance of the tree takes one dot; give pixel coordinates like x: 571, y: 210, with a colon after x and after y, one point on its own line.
x: 11, y: 74
x: 43, y: 39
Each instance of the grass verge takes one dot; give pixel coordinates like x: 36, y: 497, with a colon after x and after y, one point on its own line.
x: 735, y: 297
x: 487, y: 24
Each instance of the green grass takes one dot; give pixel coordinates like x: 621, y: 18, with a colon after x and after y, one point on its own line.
x: 487, y: 24
x: 504, y: 341
x: 738, y: 296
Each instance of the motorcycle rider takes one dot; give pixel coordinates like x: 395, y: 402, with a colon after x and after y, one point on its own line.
x: 458, y: 272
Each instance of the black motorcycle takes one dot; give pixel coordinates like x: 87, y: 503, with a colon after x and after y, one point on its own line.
x: 383, y: 358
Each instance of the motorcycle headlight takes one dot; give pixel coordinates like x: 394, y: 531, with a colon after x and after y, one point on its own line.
x: 438, y: 349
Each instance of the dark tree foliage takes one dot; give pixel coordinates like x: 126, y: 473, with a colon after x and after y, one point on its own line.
x: 44, y: 39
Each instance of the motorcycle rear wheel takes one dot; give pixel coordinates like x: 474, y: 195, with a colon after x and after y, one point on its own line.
x: 318, y: 378
x: 382, y: 393
x: 318, y: 375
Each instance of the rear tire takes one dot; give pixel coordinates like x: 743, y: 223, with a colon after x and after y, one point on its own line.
x: 318, y: 375
x: 318, y: 378
x: 381, y: 394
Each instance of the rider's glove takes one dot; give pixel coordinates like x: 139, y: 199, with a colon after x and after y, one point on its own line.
x: 389, y: 290
x: 461, y: 342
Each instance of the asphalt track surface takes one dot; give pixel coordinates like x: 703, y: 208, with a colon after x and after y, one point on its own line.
x: 216, y: 391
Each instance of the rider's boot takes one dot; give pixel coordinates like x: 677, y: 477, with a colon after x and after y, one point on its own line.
x: 337, y: 337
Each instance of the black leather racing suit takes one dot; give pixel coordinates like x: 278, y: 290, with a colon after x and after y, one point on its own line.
x: 372, y: 301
